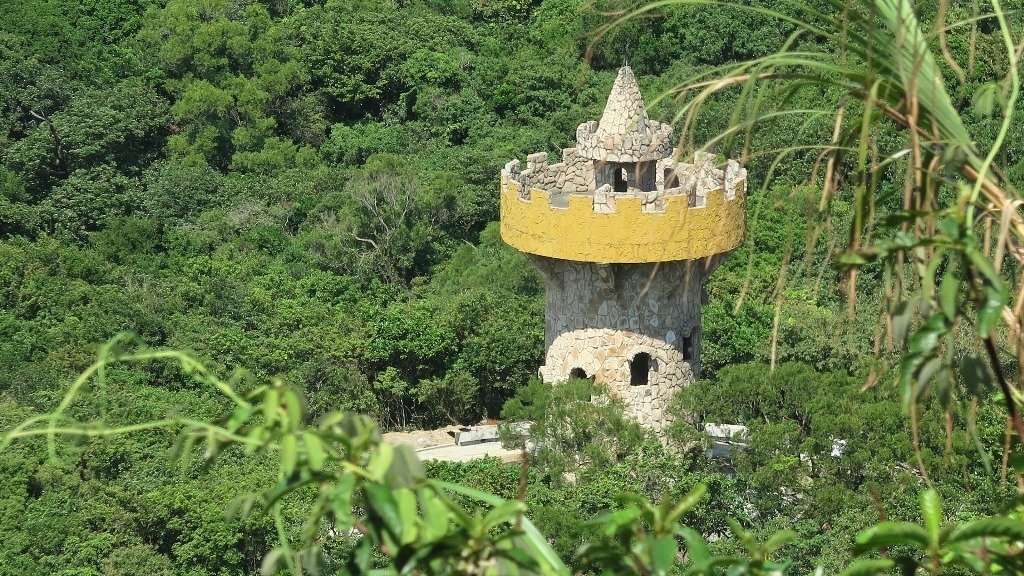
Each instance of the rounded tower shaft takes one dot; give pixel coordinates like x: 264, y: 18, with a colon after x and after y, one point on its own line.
x: 626, y: 237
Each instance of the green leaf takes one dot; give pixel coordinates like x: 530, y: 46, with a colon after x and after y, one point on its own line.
x: 995, y: 527
x: 984, y: 100
x: 891, y: 534
x: 506, y: 512
x: 289, y: 454
x: 314, y: 450
x: 688, y: 502
x: 381, y: 502
x: 991, y: 310
x: 611, y: 522
x: 949, y: 227
x: 435, y: 514
x: 405, y: 503
x: 341, y: 502
x: 270, y: 405
x: 924, y: 377
x: 380, y: 461
x: 271, y: 561
x: 868, y: 567
x: 696, y: 546
x: 975, y: 375
x: 294, y: 406
x: 542, y: 548
x: 949, y: 289
x: 663, y: 553
x: 931, y: 511
x: 924, y: 340
x: 778, y: 540
x: 406, y: 469
x: 901, y: 317
x: 854, y: 258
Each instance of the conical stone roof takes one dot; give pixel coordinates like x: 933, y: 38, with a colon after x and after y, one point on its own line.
x: 625, y: 133
x: 625, y: 111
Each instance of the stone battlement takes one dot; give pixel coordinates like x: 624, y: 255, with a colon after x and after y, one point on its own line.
x: 577, y: 175
x: 622, y: 228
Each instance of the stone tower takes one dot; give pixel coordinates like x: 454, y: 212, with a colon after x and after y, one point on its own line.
x: 625, y: 235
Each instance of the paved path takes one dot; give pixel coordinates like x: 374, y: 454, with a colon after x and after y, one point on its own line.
x: 454, y: 453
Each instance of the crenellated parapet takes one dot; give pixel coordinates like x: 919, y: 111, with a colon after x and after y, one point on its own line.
x: 578, y: 175
x: 625, y: 228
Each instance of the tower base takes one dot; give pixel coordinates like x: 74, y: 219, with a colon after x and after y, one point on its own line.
x: 632, y: 327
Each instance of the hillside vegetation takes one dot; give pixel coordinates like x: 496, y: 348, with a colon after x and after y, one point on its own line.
x: 305, y: 192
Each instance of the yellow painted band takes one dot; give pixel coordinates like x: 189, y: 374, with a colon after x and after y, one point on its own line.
x: 626, y: 236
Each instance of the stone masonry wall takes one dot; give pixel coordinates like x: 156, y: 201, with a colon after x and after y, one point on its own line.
x: 577, y: 175
x: 599, y: 317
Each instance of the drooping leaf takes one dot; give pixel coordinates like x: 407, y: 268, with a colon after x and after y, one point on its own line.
x: 868, y: 567
x: 931, y: 512
x: 406, y: 469
x: 271, y: 561
x: 949, y: 289
x: 314, y: 450
x: 696, y: 546
x: 663, y: 553
x: 974, y: 374
x: 994, y: 527
x: 901, y: 318
x: 289, y: 454
x: 892, y: 534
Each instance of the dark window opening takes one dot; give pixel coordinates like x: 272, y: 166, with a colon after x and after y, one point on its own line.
x: 621, y: 183
x: 639, y: 369
x: 690, y: 344
x: 578, y: 374
x: 671, y: 179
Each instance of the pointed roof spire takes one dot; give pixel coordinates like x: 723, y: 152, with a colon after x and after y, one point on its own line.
x: 625, y: 133
x: 625, y: 111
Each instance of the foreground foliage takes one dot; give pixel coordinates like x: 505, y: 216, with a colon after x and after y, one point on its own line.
x: 345, y: 485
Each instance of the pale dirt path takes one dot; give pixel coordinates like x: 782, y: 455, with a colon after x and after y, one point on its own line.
x: 440, y: 445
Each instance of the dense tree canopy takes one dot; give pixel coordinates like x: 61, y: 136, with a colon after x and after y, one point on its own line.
x: 307, y: 190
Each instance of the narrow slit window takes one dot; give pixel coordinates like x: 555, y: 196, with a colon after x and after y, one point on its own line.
x: 640, y: 369
x: 621, y: 180
x: 690, y: 344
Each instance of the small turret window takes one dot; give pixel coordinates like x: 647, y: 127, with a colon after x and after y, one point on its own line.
x: 621, y: 180
x: 640, y: 369
x: 689, y: 342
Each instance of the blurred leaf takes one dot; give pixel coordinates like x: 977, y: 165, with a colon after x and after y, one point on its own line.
x: 948, y: 291
x: 886, y: 534
x: 289, y: 454
x: 314, y: 450
x: 868, y: 567
x: 663, y: 553
x: 931, y: 511
x: 995, y: 527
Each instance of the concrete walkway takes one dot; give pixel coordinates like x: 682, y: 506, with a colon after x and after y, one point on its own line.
x: 455, y: 453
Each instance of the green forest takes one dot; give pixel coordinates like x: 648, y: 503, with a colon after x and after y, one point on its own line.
x: 300, y: 199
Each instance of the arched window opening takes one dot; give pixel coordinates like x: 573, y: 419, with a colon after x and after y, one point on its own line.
x: 578, y: 374
x: 640, y: 369
x: 690, y: 344
x: 621, y: 180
